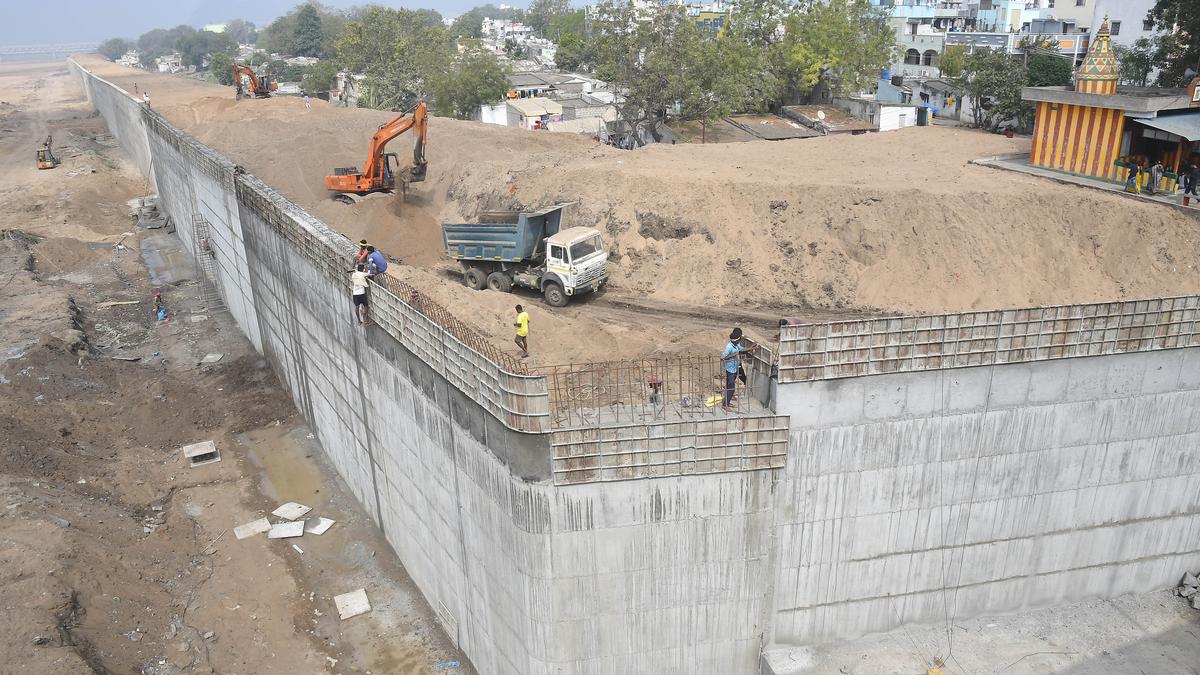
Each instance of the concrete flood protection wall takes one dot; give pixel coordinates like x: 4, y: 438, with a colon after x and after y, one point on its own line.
x: 978, y: 462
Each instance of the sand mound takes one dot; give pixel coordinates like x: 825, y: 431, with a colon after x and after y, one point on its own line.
x: 894, y: 222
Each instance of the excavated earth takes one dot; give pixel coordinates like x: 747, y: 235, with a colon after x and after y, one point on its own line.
x: 703, y: 236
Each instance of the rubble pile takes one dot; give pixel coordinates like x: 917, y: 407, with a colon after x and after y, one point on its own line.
x: 1189, y: 589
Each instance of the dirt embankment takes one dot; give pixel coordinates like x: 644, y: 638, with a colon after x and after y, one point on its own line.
x: 897, y: 222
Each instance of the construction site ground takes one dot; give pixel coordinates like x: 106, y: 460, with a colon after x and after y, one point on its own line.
x: 115, y: 555
x: 898, y: 222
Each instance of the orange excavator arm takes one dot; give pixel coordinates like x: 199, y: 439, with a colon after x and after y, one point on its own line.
x: 376, y: 176
x: 258, y: 88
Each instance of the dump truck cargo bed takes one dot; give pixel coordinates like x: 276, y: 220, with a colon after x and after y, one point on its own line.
x: 509, y: 236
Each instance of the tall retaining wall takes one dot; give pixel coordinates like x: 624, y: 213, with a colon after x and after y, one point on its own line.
x: 529, y: 569
x: 938, y: 487
x: 917, y: 468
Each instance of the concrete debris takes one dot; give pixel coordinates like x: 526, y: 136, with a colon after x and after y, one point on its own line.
x: 199, y: 454
x: 252, y: 528
x: 1189, y: 589
x: 318, y: 525
x: 212, y: 358
x: 352, y: 604
x: 291, y: 511
x: 286, y: 530
x: 298, y: 549
x: 209, y: 635
x: 197, y: 318
x: 61, y: 522
x: 41, y: 640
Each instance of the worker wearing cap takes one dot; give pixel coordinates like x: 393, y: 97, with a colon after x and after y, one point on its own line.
x: 362, y: 253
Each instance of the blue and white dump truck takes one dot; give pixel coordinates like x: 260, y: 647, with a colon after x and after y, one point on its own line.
x: 530, y: 249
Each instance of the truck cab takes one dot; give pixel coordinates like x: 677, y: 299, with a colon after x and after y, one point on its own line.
x: 576, y: 258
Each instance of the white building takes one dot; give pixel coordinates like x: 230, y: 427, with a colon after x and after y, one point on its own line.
x: 502, y: 30
x: 130, y: 59
x: 1126, y: 19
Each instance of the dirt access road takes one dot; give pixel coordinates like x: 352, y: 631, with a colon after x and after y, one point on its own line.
x: 115, y: 556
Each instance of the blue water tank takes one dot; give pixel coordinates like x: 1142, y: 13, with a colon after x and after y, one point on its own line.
x: 885, y: 74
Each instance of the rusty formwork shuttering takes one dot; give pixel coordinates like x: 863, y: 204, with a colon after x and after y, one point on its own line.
x: 647, y: 390
x: 904, y: 344
x: 670, y: 449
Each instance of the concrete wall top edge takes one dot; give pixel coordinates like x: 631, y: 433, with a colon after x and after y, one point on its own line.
x: 844, y: 349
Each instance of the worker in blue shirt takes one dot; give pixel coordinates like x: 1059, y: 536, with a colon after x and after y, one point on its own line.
x: 731, y: 359
x: 376, y: 263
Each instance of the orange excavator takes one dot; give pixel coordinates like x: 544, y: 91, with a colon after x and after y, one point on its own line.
x: 351, y: 185
x: 260, y: 87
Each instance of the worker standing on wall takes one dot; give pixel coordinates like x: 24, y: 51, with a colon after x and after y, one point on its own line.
x: 731, y: 360
x: 146, y: 99
x: 522, y: 324
x: 361, y: 258
x: 358, y: 292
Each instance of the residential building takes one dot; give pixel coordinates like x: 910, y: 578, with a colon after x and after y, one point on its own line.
x: 214, y: 28
x: 130, y: 59
x: 1096, y: 128
x: 884, y: 115
x: 534, y: 113
x: 1127, y: 19
x: 170, y: 63
x: 502, y: 30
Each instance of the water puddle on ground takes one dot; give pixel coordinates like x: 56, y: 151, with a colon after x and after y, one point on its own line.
x: 284, y: 457
x: 166, y: 264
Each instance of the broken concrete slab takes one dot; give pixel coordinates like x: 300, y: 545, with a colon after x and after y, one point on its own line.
x: 291, y: 511
x: 1189, y: 579
x: 212, y: 358
x: 318, y: 525
x: 352, y: 604
x: 197, y: 318
x: 252, y: 528
x: 286, y: 530
x: 1196, y: 601
x: 199, y: 454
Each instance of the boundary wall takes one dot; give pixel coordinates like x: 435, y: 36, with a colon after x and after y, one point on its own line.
x: 950, y: 466
x: 916, y: 469
x: 529, y: 569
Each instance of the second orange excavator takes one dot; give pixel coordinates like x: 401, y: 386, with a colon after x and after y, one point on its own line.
x: 260, y: 87
x: 350, y: 185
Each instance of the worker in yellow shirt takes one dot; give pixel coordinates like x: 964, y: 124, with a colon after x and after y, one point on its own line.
x: 522, y: 325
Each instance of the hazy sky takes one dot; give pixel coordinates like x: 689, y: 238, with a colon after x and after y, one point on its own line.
x: 55, y: 21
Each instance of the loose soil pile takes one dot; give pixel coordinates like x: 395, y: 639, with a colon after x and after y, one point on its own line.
x: 897, y: 222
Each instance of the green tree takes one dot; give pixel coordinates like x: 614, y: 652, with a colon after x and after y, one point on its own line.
x: 513, y: 49
x: 572, y: 53
x: 476, y: 78
x: 847, y: 42
x: 258, y: 58
x: 566, y: 22
x: 759, y: 25
x: 660, y: 60
x: 952, y: 61
x: 1048, y: 69
x: 220, y: 68
x: 282, y: 71
x: 1136, y: 61
x: 242, y: 31
x: 197, y: 47
x: 542, y: 12
x: 992, y: 81
x: 114, y: 48
x: 308, y: 36
x: 321, y: 76
x: 1179, y: 45
x: 280, y: 36
x: 399, y: 54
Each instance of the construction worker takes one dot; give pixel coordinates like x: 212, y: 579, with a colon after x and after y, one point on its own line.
x: 358, y: 292
x: 522, y: 325
x: 362, y: 253
x: 731, y: 361
x: 146, y: 99
x: 376, y: 263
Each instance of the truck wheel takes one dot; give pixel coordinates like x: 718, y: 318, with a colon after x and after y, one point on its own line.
x: 475, y: 278
x: 499, y: 281
x: 554, y: 295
